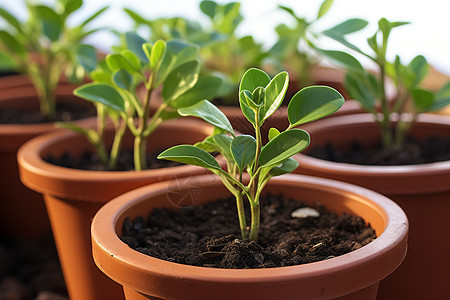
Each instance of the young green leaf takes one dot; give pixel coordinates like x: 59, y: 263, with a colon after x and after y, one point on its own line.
x: 287, y: 166
x: 324, y: 8
x: 209, y: 8
x: 192, y: 155
x: 101, y: 93
x: 312, y: 103
x: 180, y: 80
x: 344, y: 59
x: 208, y: 112
x: 11, y: 43
x: 442, y: 98
x: 360, y: 92
x: 243, y: 149
x: 274, y: 95
x: 132, y: 58
x: 157, y: 54
x: 117, y: 61
x: 273, y: 132
x: 283, y: 146
x: 252, y: 79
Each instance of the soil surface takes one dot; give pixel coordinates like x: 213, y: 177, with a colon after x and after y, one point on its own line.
x: 65, y: 111
x: 90, y: 161
x: 209, y: 235
x: 429, y: 150
x: 30, y: 270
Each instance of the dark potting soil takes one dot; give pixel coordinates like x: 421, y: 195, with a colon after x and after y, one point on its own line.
x: 30, y: 270
x: 65, y: 111
x: 208, y: 235
x: 90, y: 161
x: 429, y: 150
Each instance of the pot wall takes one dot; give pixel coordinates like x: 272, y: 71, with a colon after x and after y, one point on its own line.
x: 423, y: 192
x: 351, y: 276
x: 20, y: 205
x: 73, y: 196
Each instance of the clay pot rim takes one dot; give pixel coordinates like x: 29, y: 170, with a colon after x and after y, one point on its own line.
x: 30, y: 156
x: 381, y: 171
x: 106, y: 242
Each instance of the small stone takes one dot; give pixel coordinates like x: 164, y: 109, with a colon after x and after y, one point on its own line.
x: 305, y: 212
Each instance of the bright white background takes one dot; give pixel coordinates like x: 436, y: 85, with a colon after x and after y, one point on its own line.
x: 427, y: 35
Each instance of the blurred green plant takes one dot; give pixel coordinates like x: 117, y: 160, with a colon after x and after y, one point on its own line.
x: 173, y: 67
x: 44, y: 46
x: 259, y: 97
x: 370, y: 89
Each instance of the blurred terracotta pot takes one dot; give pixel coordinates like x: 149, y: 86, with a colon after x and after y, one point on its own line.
x: 22, y: 211
x: 72, y: 197
x: 354, y: 275
x: 422, y: 191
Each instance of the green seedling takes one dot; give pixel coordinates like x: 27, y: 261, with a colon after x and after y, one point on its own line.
x: 45, y: 46
x: 295, y: 47
x: 259, y: 97
x: 172, y: 67
x: 370, y: 89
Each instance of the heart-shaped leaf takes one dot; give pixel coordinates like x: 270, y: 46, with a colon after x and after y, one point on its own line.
x: 208, y: 112
x: 312, y: 103
x: 188, y: 154
x: 283, y: 146
x: 243, y: 149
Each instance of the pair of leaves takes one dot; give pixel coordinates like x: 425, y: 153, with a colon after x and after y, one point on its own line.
x: 265, y: 96
x: 243, y: 150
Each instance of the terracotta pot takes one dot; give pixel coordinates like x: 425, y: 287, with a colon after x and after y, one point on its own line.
x: 351, y: 276
x: 423, y: 192
x: 72, y: 197
x: 22, y: 211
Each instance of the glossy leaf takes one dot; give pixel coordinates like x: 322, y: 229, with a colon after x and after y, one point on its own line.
x: 273, y: 132
x: 243, y: 150
x: 180, y: 80
x: 208, y: 112
x: 191, y: 155
x: 287, y: 166
x: 253, y: 78
x: 283, y: 146
x: 274, y: 95
x: 312, y: 103
x: 419, y: 67
x: 132, y: 58
x: 117, y: 61
x: 101, y: 93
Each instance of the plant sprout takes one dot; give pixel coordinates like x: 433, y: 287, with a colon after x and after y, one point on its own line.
x: 259, y: 98
x: 370, y: 90
x: 44, y: 46
x: 173, y: 67
x: 294, y: 48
